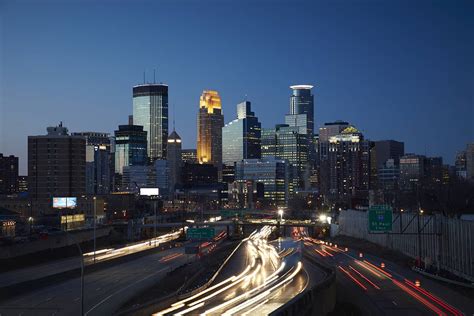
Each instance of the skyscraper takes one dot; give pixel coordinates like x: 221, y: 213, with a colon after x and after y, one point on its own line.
x: 470, y: 161
x: 130, y: 147
x: 174, y: 160
x: 349, y: 165
x: 285, y: 142
x: 302, y: 102
x: 150, y: 110
x: 241, y: 137
x: 56, y: 166
x: 209, y: 135
x: 388, y: 149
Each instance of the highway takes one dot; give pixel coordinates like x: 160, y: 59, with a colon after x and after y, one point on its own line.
x: 58, y: 266
x: 261, y: 276
x: 379, y: 287
x: 105, y: 290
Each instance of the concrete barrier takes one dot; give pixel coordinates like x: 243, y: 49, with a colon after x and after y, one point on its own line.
x: 319, y: 300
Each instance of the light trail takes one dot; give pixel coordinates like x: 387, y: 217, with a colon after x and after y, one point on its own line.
x: 365, y: 278
x: 418, y: 297
x: 353, y: 278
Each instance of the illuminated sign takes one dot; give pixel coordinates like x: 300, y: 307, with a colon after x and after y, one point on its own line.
x: 72, y: 218
x: 8, y: 223
x: 64, y: 202
x: 149, y: 191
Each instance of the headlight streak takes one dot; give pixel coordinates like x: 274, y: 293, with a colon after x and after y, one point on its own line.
x: 263, y: 257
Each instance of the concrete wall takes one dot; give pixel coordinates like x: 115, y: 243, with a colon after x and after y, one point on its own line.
x: 447, y: 243
x: 53, y: 242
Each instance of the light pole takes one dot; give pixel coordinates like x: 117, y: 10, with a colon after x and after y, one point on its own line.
x: 280, y: 212
x: 95, y: 216
x: 153, y: 193
x: 154, y: 209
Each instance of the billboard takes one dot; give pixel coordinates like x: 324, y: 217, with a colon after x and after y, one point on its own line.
x: 64, y: 202
x: 149, y: 191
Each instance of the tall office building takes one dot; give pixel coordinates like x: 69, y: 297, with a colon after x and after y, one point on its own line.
x: 130, y: 147
x: 56, y: 166
x: 209, y: 135
x: 150, y: 110
x: 8, y: 174
x: 461, y: 165
x: 271, y: 173
x: 241, y: 137
x: 302, y: 102
x: 349, y: 165
x: 174, y: 161
x: 285, y: 142
x: 98, y: 162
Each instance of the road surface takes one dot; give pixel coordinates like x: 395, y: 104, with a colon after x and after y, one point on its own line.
x: 379, y: 287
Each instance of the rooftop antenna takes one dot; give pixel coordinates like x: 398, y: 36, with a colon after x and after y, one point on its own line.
x: 246, y: 97
x: 143, y: 76
x: 154, y: 81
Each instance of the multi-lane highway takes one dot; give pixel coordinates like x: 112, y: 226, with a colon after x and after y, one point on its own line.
x: 260, y: 277
x: 105, y: 290
x: 378, y: 287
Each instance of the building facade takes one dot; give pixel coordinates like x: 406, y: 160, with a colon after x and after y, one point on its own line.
x: 8, y: 174
x: 150, y: 110
x: 174, y: 160
x: 189, y: 156
x: 302, y: 103
x: 388, y: 149
x: 130, y: 147
x: 56, y: 166
x: 98, y: 162
x: 209, y: 123
x: 273, y: 175
x: 412, y: 171
x: 241, y: 137
x: 349, y: 165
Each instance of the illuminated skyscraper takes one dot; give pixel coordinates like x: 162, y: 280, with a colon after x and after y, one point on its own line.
x: 241, y: 137
x: 209, y: 135
x: 302, y: 102
x: 150, y: 110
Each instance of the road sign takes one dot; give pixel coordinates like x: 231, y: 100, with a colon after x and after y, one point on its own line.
x: 231, y: 213
x: 380, y: 218
x: 200, y: 233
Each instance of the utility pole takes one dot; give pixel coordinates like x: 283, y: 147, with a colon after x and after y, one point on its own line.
x: 95, y: 217
x: 154, y: 208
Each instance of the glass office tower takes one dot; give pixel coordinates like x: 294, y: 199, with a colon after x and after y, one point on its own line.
x: 150, y: 110
x: 130, y: 147
x: 302, y: 102
x: 241, y: 137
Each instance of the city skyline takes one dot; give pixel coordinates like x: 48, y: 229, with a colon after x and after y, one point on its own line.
x: 363, y: 87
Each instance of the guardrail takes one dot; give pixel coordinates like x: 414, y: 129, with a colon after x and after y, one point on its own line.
x: 319, y: 300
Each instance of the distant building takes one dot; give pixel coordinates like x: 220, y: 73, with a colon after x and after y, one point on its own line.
x: 8, y: 174
x: 22, y: 184
x: 189, y: 156
x: 388, y: 175
x: 461, y: 165
x: 196, y: 175
x: 162, y: 174
x: 98, y: 162
x: 271, y: 174
x: 241, y: 137
x: 174, y: 160
x: 412, y: 171
x: 56, y: 166
x: 130, y: 147
x: 210, y: 122
x: 302, y: 103
x: 470, y: 162
x: 349, y: 165
x: 388, y: 149
x: 150, y: 110
x: 285, y: 142
x: 136, y: 177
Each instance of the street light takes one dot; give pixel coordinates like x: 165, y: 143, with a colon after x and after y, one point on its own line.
x: 31, y: 220
x: 280, y: 212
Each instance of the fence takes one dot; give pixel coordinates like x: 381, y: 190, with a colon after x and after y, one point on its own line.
x: 445, y: 243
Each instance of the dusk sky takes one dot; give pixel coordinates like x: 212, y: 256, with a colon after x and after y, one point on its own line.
x: 400, y: 70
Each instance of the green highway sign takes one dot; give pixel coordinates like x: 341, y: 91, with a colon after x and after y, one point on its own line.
x: 231, y: 213
x: 200, y: 233
x: 380, y: 218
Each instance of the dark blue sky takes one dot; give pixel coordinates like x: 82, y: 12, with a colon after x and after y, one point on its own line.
x: 397, y: 70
